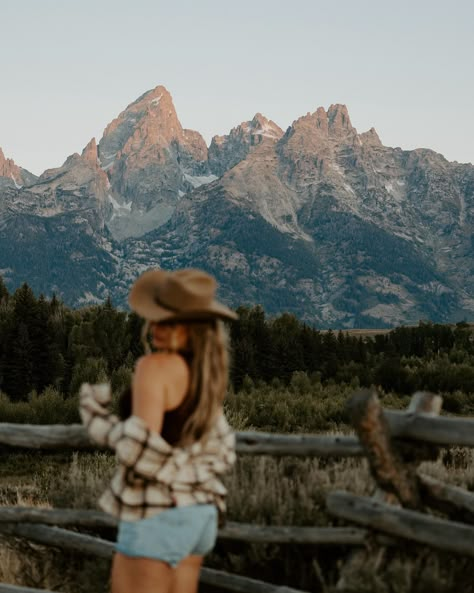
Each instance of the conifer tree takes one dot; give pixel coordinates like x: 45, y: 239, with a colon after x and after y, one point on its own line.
x: 45, y: 350
x: 19, y: 366
x: 111, y: 337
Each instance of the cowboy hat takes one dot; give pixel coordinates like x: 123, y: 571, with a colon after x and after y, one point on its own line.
x: 161, y: 295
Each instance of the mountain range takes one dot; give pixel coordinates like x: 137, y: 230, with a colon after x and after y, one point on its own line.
x: 318, y: 220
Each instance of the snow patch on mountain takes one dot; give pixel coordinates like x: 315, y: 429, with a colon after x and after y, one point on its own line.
x: 198, y: 180
x: 119, y: 210
x: 156, y: 100
x: 14, y: 181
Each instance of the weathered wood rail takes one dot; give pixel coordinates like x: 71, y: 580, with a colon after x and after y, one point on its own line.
x: 403, y: 425
x: 394, y: 443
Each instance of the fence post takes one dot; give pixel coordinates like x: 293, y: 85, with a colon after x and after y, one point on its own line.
x: 392, y: 463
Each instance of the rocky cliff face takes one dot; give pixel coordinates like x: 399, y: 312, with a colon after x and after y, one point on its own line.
x: 151, y: 162
x: 226, y: 151
x: 78, y: 186
x: 321, y: 220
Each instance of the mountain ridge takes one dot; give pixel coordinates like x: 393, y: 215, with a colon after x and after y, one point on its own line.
x: 319, y: 219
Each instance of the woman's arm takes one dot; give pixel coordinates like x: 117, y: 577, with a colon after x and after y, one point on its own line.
x: 94, y: 401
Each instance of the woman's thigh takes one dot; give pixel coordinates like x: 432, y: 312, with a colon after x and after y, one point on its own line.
x: 141, y: 575
x: 186, y: 575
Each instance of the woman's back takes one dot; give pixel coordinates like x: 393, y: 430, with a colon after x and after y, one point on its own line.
x: 160, y: 386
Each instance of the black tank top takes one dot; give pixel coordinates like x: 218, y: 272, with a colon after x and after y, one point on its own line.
x: 174, y: 420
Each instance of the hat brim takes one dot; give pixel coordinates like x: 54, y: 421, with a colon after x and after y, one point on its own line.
x: 141, y: 300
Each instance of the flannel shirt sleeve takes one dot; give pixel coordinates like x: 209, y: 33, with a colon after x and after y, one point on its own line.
x: 94, y: 402
x: 136, y: 446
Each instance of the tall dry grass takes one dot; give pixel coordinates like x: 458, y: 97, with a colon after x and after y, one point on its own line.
x: 262, y: 490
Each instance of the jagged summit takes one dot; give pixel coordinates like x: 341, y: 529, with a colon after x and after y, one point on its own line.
x: 151, y: 162
x: 90, y: 153
x: 78, y: 167
x: 334, y: 123
x: 13, y: 175
x: 338, y: 117
x: 148, y: 125
x: 228, y: 150
x: 8, y: 168
x: 78, y: 180
x: 370, y: 138
x: 260, y: 125
x: 152, y: 98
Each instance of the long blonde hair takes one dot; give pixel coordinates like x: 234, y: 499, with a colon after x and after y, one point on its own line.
x: 208, y: 343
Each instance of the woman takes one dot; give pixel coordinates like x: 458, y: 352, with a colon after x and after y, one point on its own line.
x: 176, y: 444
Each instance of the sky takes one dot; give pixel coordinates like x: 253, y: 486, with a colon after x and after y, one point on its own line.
x: 69, y: 68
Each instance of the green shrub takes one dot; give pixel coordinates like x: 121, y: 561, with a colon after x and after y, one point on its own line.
x: 18, y: 413
x: 92, y: 370
x: 51, y: 408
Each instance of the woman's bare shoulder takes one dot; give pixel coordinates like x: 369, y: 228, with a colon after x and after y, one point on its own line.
x: 163, y: 363
x: 159, y: 383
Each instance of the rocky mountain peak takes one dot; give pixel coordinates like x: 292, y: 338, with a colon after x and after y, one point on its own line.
x: 334, y: 123
x: 261, y: 126
x: 316, y: 137
x: 150, y: 121
x: 90, y: 153
x: 13, y: 175
x: 151, y: 162
x: 370, y: 138
x: 339, y: 119
x: 146, y: 128
x: 151, y: 99
x: 8, y: 167
x: 228, y: 150
x: 79, y: 175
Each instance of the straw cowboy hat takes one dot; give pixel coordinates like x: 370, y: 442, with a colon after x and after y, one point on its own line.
x: 159, y: 295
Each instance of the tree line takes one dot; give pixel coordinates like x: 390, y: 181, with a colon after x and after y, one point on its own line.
x: 45, y: 343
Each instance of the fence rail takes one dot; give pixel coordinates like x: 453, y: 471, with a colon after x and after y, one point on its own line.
x: 86, y: 544
x: 400, y: 522
x: 245, y: 532
x: 394, y: 442
x: 403, y: 425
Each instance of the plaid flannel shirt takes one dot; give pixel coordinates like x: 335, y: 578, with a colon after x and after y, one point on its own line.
x: 152, y: 475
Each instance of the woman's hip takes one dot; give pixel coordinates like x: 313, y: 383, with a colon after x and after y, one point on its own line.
x: 170, y: 535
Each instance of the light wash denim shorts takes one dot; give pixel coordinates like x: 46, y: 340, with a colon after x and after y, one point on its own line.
x: 170, y: 535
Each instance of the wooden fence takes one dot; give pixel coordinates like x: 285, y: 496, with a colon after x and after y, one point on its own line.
x: 394, y: 442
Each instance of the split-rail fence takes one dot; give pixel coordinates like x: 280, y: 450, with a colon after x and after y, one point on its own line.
x: 395, y: 443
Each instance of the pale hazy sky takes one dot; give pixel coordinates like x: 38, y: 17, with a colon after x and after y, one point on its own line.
x: 69, y: 67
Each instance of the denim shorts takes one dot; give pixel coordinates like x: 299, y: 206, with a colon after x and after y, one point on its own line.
x: 170, y: 535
